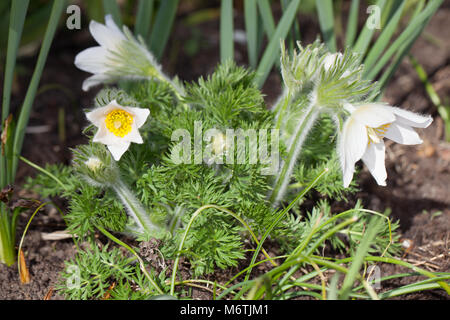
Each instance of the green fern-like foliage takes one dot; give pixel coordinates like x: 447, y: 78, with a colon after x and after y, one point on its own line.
x: 172, y: 192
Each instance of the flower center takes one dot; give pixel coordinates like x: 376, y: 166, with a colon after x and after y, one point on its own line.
x: 119, y: 122
x: 377, y: 134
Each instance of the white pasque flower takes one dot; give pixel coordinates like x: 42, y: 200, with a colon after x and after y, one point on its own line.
x: 334, y: 58
x: 118, y: 126
x: 363, y: 133
x: 119, y: 55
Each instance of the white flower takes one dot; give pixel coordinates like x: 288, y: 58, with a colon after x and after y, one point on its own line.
x: 331, y: 59
x: 118, y: 126
x: 363, y: 133
x: 119, y: 55
x: 94, y: 163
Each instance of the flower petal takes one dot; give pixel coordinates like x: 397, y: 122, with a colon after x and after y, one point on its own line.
x: 103, y: 135
x: 352, y: 145
x: 330, y: 60
x: 92, y: 60
x: 140, y: 115
x: 133, y: 135
x: 373, y: 115
x: 412, y: 119
x: 403, y: 134
x: 107, y: 37
x: 118, y: 149
x: 355, y: 141
x: 97, y: 115
x: 94, y: 80
x: 373, y: 158
x: 347, y: 175
x: 109, y: 21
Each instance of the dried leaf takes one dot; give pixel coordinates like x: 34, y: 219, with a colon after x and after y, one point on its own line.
x: 25, y: 204
x: 57, y: 235
x: 23, y: 270
x: 49, y: 294
x: 107, y: 294
x: 4, y: 136
x: 5, y: 193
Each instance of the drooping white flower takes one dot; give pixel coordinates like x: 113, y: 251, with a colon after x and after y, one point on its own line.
x: 363, y: 133
x: 119, y: 55
x: 118, y: 126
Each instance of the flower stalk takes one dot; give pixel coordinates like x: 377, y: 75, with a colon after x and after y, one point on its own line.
x: 304, y: 125
x: 134, y: 208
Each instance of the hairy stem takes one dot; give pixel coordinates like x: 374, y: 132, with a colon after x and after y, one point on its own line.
x: 294, y: 147
x: 134, y: 207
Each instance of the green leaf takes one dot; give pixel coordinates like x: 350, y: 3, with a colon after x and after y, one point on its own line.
x: 326, y: 21
x: 384, y: 38
x: 273, y: 49
x: 17, y: 20
x: 352, y: 23
x: 57, y: 10
x: 251, y: 27
x: 144, y: 18
x: 267, y: 17
x: 367, y: 33
x: 226, y: 31
x: 111, y: 7
x: 407, y: 37
x: 372, y: 230
x: 162, y: 27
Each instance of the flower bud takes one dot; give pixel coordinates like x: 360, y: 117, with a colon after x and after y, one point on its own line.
x: 94, y: 163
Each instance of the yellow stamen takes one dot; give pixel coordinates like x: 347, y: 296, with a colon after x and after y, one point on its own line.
x: 377, y: 134
x: 119, y: 122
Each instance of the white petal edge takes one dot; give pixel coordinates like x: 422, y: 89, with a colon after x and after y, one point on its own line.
x: 95, y: 80
x: 118, y: 149
x: 374, y: 158
x: 140, y: 115
x: 354, y: 141
x: 134, y: 135
x: 403, y: 134
x: 412, y: 119
x: 92, y: 60
x: 109, y: 21
x: 351, y: 146
x: 347, y: 175
x: 106, y: 37
x: 373, y: 115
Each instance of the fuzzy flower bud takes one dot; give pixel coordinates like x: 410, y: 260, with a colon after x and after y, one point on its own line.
x: 94, y: 163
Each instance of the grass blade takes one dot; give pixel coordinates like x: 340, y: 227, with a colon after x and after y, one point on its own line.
x: 273, y: 48
x: 111, y: 7
x: 326, y: 21
x: 361, y: 252
x: 57, y: 10
x: 226, y: 31
x: 144, y: 18
x: 406, y: 39
x: 17, y: 21
x: 267, y: 17
x: 280, y: 216
x: 367, y: 32
x: 251, y: 28
x: 385, y: 37
x: 352, y: 23
x: 162, y: 27
x: 444, y: 110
